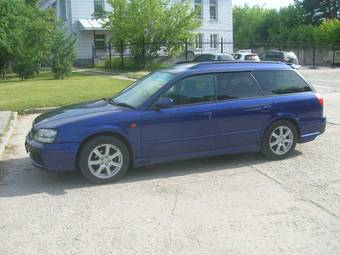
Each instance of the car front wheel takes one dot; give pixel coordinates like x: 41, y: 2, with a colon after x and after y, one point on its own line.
x: 104, y: 159
x: 280, y: 140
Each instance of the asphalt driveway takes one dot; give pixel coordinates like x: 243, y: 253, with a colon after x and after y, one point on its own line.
x: 241, y: 204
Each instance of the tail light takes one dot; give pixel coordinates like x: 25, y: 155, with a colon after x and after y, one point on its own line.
x: 320, y: 98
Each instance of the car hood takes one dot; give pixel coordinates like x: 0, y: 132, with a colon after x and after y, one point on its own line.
x: 76, y: 110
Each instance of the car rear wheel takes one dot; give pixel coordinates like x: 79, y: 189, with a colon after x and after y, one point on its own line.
x: 104, y: 159
x: 280, y: 140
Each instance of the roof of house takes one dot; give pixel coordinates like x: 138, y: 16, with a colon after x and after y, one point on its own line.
x: 92, y: 25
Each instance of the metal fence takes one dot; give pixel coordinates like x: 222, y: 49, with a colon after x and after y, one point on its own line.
x: 309, y: 54
x: 155, y: 55
x: 158, y: 55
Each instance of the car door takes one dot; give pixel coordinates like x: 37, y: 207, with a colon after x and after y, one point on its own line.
x: 185, y: 128
x: 241, y: 110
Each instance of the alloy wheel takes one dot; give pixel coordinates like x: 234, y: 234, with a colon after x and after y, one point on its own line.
x: 281, y: 140
x: 105, y: 161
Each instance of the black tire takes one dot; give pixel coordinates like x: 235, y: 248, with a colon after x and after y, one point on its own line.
x: 87, y: 151
x: 267, y: 151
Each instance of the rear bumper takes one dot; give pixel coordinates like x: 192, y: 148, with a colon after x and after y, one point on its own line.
x: 52, y: 157
x: 312, y: 129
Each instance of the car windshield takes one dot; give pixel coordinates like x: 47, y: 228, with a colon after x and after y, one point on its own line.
x: 138, y: 92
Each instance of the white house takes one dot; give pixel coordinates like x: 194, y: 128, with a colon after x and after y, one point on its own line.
x: 78, y: 16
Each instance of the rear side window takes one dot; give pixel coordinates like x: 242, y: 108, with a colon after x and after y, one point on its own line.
x: 236, y: 85
x: 281, y: 82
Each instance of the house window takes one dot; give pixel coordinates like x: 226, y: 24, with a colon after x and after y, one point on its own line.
x: 99, y: 41
x: 213, y: 41
x: 199, y: 41
x: 99, y: 6
x: 199, y: 8
x: 213, y: 9
x: 62, y: 10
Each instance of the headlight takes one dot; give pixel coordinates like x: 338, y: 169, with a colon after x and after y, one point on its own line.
x: 45, y: 135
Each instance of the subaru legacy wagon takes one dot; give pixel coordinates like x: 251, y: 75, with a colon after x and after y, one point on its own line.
x: 186, y: 111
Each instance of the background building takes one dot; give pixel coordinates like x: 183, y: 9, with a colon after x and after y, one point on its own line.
x: 92, y: 38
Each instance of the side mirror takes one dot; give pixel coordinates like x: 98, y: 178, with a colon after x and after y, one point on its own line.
x: 164, y: 103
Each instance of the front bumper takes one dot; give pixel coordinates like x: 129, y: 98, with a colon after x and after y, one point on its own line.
x: 52, y: 157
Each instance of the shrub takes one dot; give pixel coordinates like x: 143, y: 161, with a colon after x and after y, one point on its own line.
x: 63, y: 54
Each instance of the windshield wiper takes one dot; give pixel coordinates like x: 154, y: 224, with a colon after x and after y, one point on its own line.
x: 109, y: 100
x: 123, y: 105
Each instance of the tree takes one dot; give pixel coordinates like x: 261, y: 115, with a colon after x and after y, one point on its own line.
x: 317, y: 11
x: 10, y: 31
x: 35, y: 41
x: 329, y: 32
x: 63, y: 54
x: 149, y: 22
x: 25, y: 37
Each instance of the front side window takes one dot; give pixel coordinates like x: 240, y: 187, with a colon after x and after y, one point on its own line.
x: 205, y: 57
x: 199, y: 8
x: 236, y: 85
x: 281, y: 82
x: 99, y: 6
x: 140, y: 91
x: 191, y: 90
x: 213, y: 9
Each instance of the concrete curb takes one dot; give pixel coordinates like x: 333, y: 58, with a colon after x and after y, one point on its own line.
x: 4, y: 140
x: 38, y: 110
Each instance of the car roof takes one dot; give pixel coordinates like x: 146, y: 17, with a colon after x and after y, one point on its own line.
x: 226, y: 66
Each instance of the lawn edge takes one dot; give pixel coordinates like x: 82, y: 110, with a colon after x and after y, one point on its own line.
x: 38, y: 110
x: 4, y: 139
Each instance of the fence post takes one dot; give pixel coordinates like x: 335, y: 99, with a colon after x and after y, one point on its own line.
x: 186, y: 50
x: 221, y: 44
x: 110, y: 54
x: 143, y: 53
x: 333, y: 54
x: 314, y: 49
x: 93, y: 55
x: 121, y: 54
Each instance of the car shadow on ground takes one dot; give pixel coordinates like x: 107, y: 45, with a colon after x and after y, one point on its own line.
x: 19, y: 178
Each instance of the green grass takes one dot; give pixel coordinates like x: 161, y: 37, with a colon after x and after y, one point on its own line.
x: 44, y: 91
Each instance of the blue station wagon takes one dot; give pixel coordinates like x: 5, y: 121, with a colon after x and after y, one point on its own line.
x: 187, y: 111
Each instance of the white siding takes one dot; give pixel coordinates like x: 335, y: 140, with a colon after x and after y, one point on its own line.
x: 223, y: 26
x: 83, y: 9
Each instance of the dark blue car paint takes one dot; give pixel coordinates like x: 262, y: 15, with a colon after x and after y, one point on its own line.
x: 231, y: 126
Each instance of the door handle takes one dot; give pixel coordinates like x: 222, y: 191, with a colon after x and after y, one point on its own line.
x: 206, y: 115
x: 266, y: 108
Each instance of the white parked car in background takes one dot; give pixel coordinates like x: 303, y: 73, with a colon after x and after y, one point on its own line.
x: 246, y: 56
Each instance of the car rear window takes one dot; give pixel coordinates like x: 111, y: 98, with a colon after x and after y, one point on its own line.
x: 236, y: 85
x: 273, y: 56
x: 252, y: 57
x: 281, y: 82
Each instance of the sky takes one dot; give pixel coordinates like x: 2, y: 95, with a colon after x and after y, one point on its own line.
x: 267, y: 3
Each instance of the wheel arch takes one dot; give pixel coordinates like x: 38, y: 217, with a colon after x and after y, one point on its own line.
x: 108, y: 133
x: 291, y: 119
